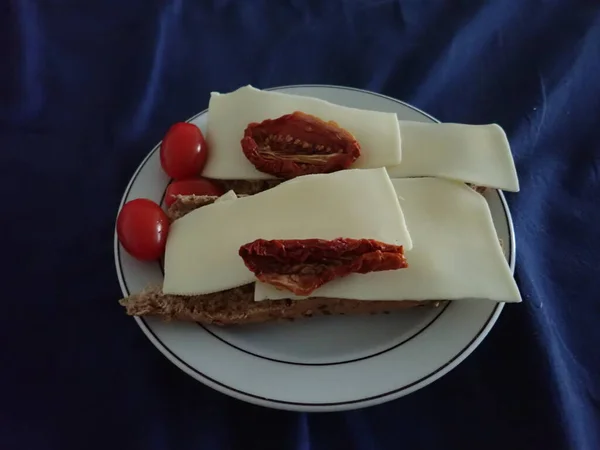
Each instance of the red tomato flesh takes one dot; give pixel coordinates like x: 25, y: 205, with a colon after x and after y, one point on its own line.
x: 183, y: 151
x: 142, y: 228
x: 196, y: 186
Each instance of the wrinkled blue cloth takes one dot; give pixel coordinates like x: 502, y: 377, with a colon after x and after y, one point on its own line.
x: 87, y: 88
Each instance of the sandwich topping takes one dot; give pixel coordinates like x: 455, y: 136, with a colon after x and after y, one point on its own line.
x: 452, y: 235
x: 299, y: 144
x: 303, y: 265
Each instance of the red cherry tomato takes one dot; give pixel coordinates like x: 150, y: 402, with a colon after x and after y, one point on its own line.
x: 183, y: 151
x: 196, y: 186
x: 142, y: 228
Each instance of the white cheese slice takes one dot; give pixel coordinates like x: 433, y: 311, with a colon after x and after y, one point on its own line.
x: 478, y: 154
x: 455, y: 255
x: 229, y: 195
x: 229, y: 114
x: 202, y: 247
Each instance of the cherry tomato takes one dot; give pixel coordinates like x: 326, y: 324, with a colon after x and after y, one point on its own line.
x: 183, y: 151
x: 142, y: 228
x: 195, y: 186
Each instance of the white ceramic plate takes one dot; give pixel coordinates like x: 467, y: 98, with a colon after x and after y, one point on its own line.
x: 323, y: 363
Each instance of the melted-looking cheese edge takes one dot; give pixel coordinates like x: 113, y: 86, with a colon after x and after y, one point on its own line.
x: 455, y: 255
x: 202, y: 257
x: 478, y: 154
x: 229, y: 114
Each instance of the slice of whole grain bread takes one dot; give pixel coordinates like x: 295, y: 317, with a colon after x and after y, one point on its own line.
x: 237, y: 306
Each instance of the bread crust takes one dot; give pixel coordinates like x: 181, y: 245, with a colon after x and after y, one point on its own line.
x: 237, y: 306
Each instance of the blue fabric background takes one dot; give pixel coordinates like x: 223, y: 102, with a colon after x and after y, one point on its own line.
x: 87, y: 88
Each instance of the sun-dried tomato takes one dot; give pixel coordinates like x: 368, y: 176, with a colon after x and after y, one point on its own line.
x: 299, y: 144
x: 301, y: 266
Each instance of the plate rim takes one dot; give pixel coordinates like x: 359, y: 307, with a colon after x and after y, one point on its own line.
x: 315, y: 407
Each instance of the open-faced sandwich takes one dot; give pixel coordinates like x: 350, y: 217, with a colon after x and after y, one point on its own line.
x: 309, y: 208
